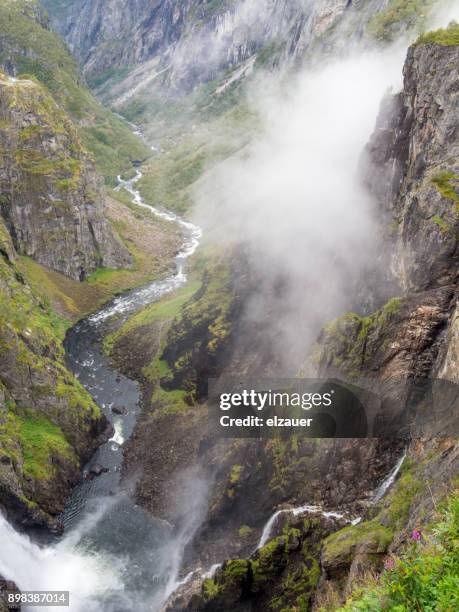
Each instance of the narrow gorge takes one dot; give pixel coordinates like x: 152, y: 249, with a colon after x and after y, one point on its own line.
x: 243, y: 194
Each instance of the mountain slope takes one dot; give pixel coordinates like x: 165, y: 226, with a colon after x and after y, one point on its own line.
x: 411, y: 167
x: 28, y: 46
x: 52, y: 199
x: 49, y: 425
x: 139, y: 47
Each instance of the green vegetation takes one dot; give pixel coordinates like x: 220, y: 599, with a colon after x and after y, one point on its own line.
x: 447, y: 184
x: 168, y: 179
x: 375, y: 536
x: 424, y: 577
x: 113, y: 74
x: 235, y: 475
x: 198, y: 336
x: 169, y: 402
x: 229, y: 583
x: 33, y: 49
x: 46, y: 414
x: 269, y: 53
x: 245, y: 531
x: 441, y: 223
x: 285, y: 571
x: 41, y: 441
x: 351, y: 338
x: 339, y: 547
x: 189, y: 329
x: 397, y: 16
x: 61, y: 168
x: 164, y: 310
x: 446, y: 37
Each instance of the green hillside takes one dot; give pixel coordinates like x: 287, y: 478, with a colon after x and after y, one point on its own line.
x: 29, y: 47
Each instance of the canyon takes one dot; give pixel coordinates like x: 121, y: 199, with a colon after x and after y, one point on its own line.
x: 117, y: 309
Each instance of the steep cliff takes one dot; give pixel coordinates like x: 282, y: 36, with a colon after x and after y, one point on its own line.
x: 412, y: 160
x: 56, y: 228
x: 52, y: 198
x: 29, y: 47
x: 410, y: 165
x: 413, y: 163
x: 49, y: 425
x: 140, y: 46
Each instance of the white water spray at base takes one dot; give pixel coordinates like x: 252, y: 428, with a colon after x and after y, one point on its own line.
x: 87, y: 575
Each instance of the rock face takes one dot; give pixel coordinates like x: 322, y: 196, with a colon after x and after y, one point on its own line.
x: 283, y: 574
x: 416, y: 142
x: 52, y: 199
x: 29, y: 47
x: 413, y: 159
x: 7, y: 585
x: 412, y: 164
x: 49, y: 425
x: 184, y: 43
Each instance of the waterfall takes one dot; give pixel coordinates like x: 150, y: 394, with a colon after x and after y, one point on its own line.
x: 380, y: 492
x: 389, y: 480
x: 113, y: 556
x: 88, y: 576
x: 211, y: 571
x: 268, y: 528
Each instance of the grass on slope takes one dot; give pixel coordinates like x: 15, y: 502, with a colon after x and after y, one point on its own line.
x: 151, y: 241
x: 446, y: 37
x: 424, y: 577
x: 168, y: 178
x: 31, y: 336
x: 28, y: 45
x: 166, y: 309
x: 41, y: 440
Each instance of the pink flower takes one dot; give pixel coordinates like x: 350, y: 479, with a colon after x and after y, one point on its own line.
x: 416, y: 535
x: 389, y: 563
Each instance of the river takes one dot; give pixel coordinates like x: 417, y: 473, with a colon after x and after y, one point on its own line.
x: 113, y: 555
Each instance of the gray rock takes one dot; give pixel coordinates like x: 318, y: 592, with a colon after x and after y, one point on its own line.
x: 119, y: 410
x: 97, y: 470
x: 52, y: 198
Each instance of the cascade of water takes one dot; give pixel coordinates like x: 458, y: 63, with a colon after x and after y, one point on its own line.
x: 113, y: 556
x: 89, y: 576
x: 269, y: 526
x: 389, y: 480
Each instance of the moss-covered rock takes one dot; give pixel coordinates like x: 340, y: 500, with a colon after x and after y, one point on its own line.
x: 198, y: 337
x: 49, y: 424
x: 229, y: 585
x: 52, y: 199
x: 28, y: 46
x: 282, y: 575
x: 339, y: 548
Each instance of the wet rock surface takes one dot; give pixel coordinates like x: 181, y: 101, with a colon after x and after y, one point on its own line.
x: 283, y: 573
x: 7, y: 585
x: 411, y: 337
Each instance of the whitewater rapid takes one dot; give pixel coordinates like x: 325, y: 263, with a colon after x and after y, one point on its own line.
x: 113, y: 557
x: 131, y: 301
